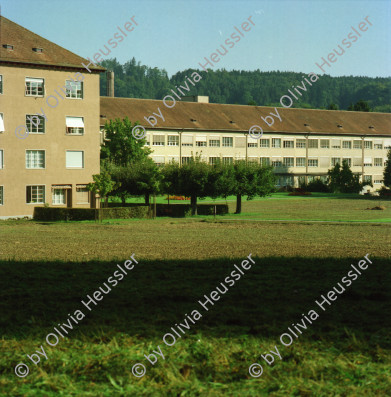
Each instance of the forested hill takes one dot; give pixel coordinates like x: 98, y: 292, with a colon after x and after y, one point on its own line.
x: 133, y: 80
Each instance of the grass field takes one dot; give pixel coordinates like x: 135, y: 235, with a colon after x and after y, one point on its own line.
x: 46, y: 269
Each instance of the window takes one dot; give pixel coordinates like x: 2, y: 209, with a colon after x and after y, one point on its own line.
x: 35, y: 194
x: 349, y: 161
x: 367, y: 161
x: 325, y: 143
x: 173, y: 159
x: 173, y: 140
x: 214, y: 142
x: 214, y: 160
x: 276, y: 142
x: 378, y: 179
x: 387, y: 144
x: 265, y: 143
x: 240, y: 141
x: 228, y: 142
x: 2, y: 129
x: 58, y: 196
x: 335, y: 161
x: 187, y: 140
x: 1, y: 159
x: 312, y: 143
x: 289, y: 161
x: 1, y: 84
x: 368, y: 178
x: 159, y: 160
x: 336, y: 144
x: 300, y: 161
x: 1, y: 195
x: 158, y: 140
x: 265, y: 160
x: 74, y: 125
x: 35, y: 124
x: 312, y: 162
x: 74, y: 159
x: 346, y: 144
x: 324, y: 162
x: 82, y: 195
x: 377, y: 162
x: 252, y: 159
x: 34, y: 87
x: 289, y: 144
x: 187, y: 160
x: 276, y: 162
x: 74, y: 89
x: 300, y: 143
x: 227, y: 160
x: 367, y: 144
x: 201, y: 141
x: 35, y: 159
x: 147, y: 140
x: 252, y: 144
x: 357, y: 144
x: 378, y: 146
x: 357, y: 162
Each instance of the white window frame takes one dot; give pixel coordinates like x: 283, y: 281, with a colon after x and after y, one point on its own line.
x: 74, y: 167
x: 302, y: 162
x: 227, y: 141
x: 378, y: 165
x: 301, y: 143
x: 56, y: 196
x: 291, y: 162
x: 345, y: 142
x: 2, y: 125
x: 325, y: 143
x: 72, y: 91
x: 314, y: 165
x: 33, y: 126
x: 334, y: 163
x: 314, y: 142
x: 264, y: 161
x: 369, y: 144
x: 216, y: 142
x: 291, y: 143
x: 31, y: 160
x: 78, y: 126
x: 88, y: 191
x: 36, y: 193
x: 35, y: 86
x: 1, y: 159
x: 161, y: 141
x: 172, y: 140
x: 228, y: 160
x: 264, y: 142
x: 274, y: 141
x: 1, y: 195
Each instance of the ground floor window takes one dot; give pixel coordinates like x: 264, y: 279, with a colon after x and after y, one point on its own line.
x: 82, y: 195
x: 1, y: 195
x: 58, y: 196
x: 35, y: 194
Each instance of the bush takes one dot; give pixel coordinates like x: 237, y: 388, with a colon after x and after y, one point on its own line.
x: 84, y: 214
x: 384, y: 192
x: 182, y: 210
x: 317, y: 185
x: 300, y: 193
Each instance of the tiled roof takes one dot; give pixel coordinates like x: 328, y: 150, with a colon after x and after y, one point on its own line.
x: 214, y: 117
x: 24, y: 41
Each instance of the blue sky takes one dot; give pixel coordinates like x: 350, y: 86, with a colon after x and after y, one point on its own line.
x: 288, y: 35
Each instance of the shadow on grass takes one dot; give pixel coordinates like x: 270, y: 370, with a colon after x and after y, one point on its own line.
x: 155, y: 295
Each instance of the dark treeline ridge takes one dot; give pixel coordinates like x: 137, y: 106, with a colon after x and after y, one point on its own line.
x: 133, y: 80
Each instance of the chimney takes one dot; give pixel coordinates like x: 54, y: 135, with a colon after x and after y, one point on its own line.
x: 195, y: 98
x: 110, y: 83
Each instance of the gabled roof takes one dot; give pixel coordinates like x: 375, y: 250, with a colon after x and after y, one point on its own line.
x: 239, y: 118
x: 24, y: 41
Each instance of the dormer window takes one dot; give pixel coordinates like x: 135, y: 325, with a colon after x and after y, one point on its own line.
x: 339, y: 125
x: 371, y: 127
x: 8, y: 46
x: 37, y: 49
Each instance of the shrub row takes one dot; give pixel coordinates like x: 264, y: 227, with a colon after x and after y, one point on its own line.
x: 129, y: 211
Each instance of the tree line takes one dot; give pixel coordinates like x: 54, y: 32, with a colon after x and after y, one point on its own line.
x: 133, y: 80
x: 127, y: 171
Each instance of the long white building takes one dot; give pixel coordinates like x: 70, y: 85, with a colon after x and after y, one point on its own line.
x: 301, y: 147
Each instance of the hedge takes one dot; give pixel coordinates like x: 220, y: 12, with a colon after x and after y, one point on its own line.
x: 135, y: 210
x: 82, y: 214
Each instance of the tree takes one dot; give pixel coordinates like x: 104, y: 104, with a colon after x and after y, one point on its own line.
x: 102, y: 185
x: 342, y: 180
x: 252, y: 180
x: 360, y: 106
x: 120, y: 146
x: 387, y: 171
x: 332, y: 106
x: 139, y: 178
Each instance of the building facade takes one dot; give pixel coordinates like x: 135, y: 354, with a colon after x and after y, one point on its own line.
x: 49, y: 124
x: 303, y: 146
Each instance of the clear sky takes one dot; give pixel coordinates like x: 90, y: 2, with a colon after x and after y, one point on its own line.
x: 289, y: 35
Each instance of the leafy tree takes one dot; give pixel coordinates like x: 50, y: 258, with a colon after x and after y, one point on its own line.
x: 139, y: 178
x: 252, y: 180
x: 102, y: 185
x: 387, y: 171
x: 332, y: 106
x: 121, y: 147
x: 360, y: 106
x: 342, y: 180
